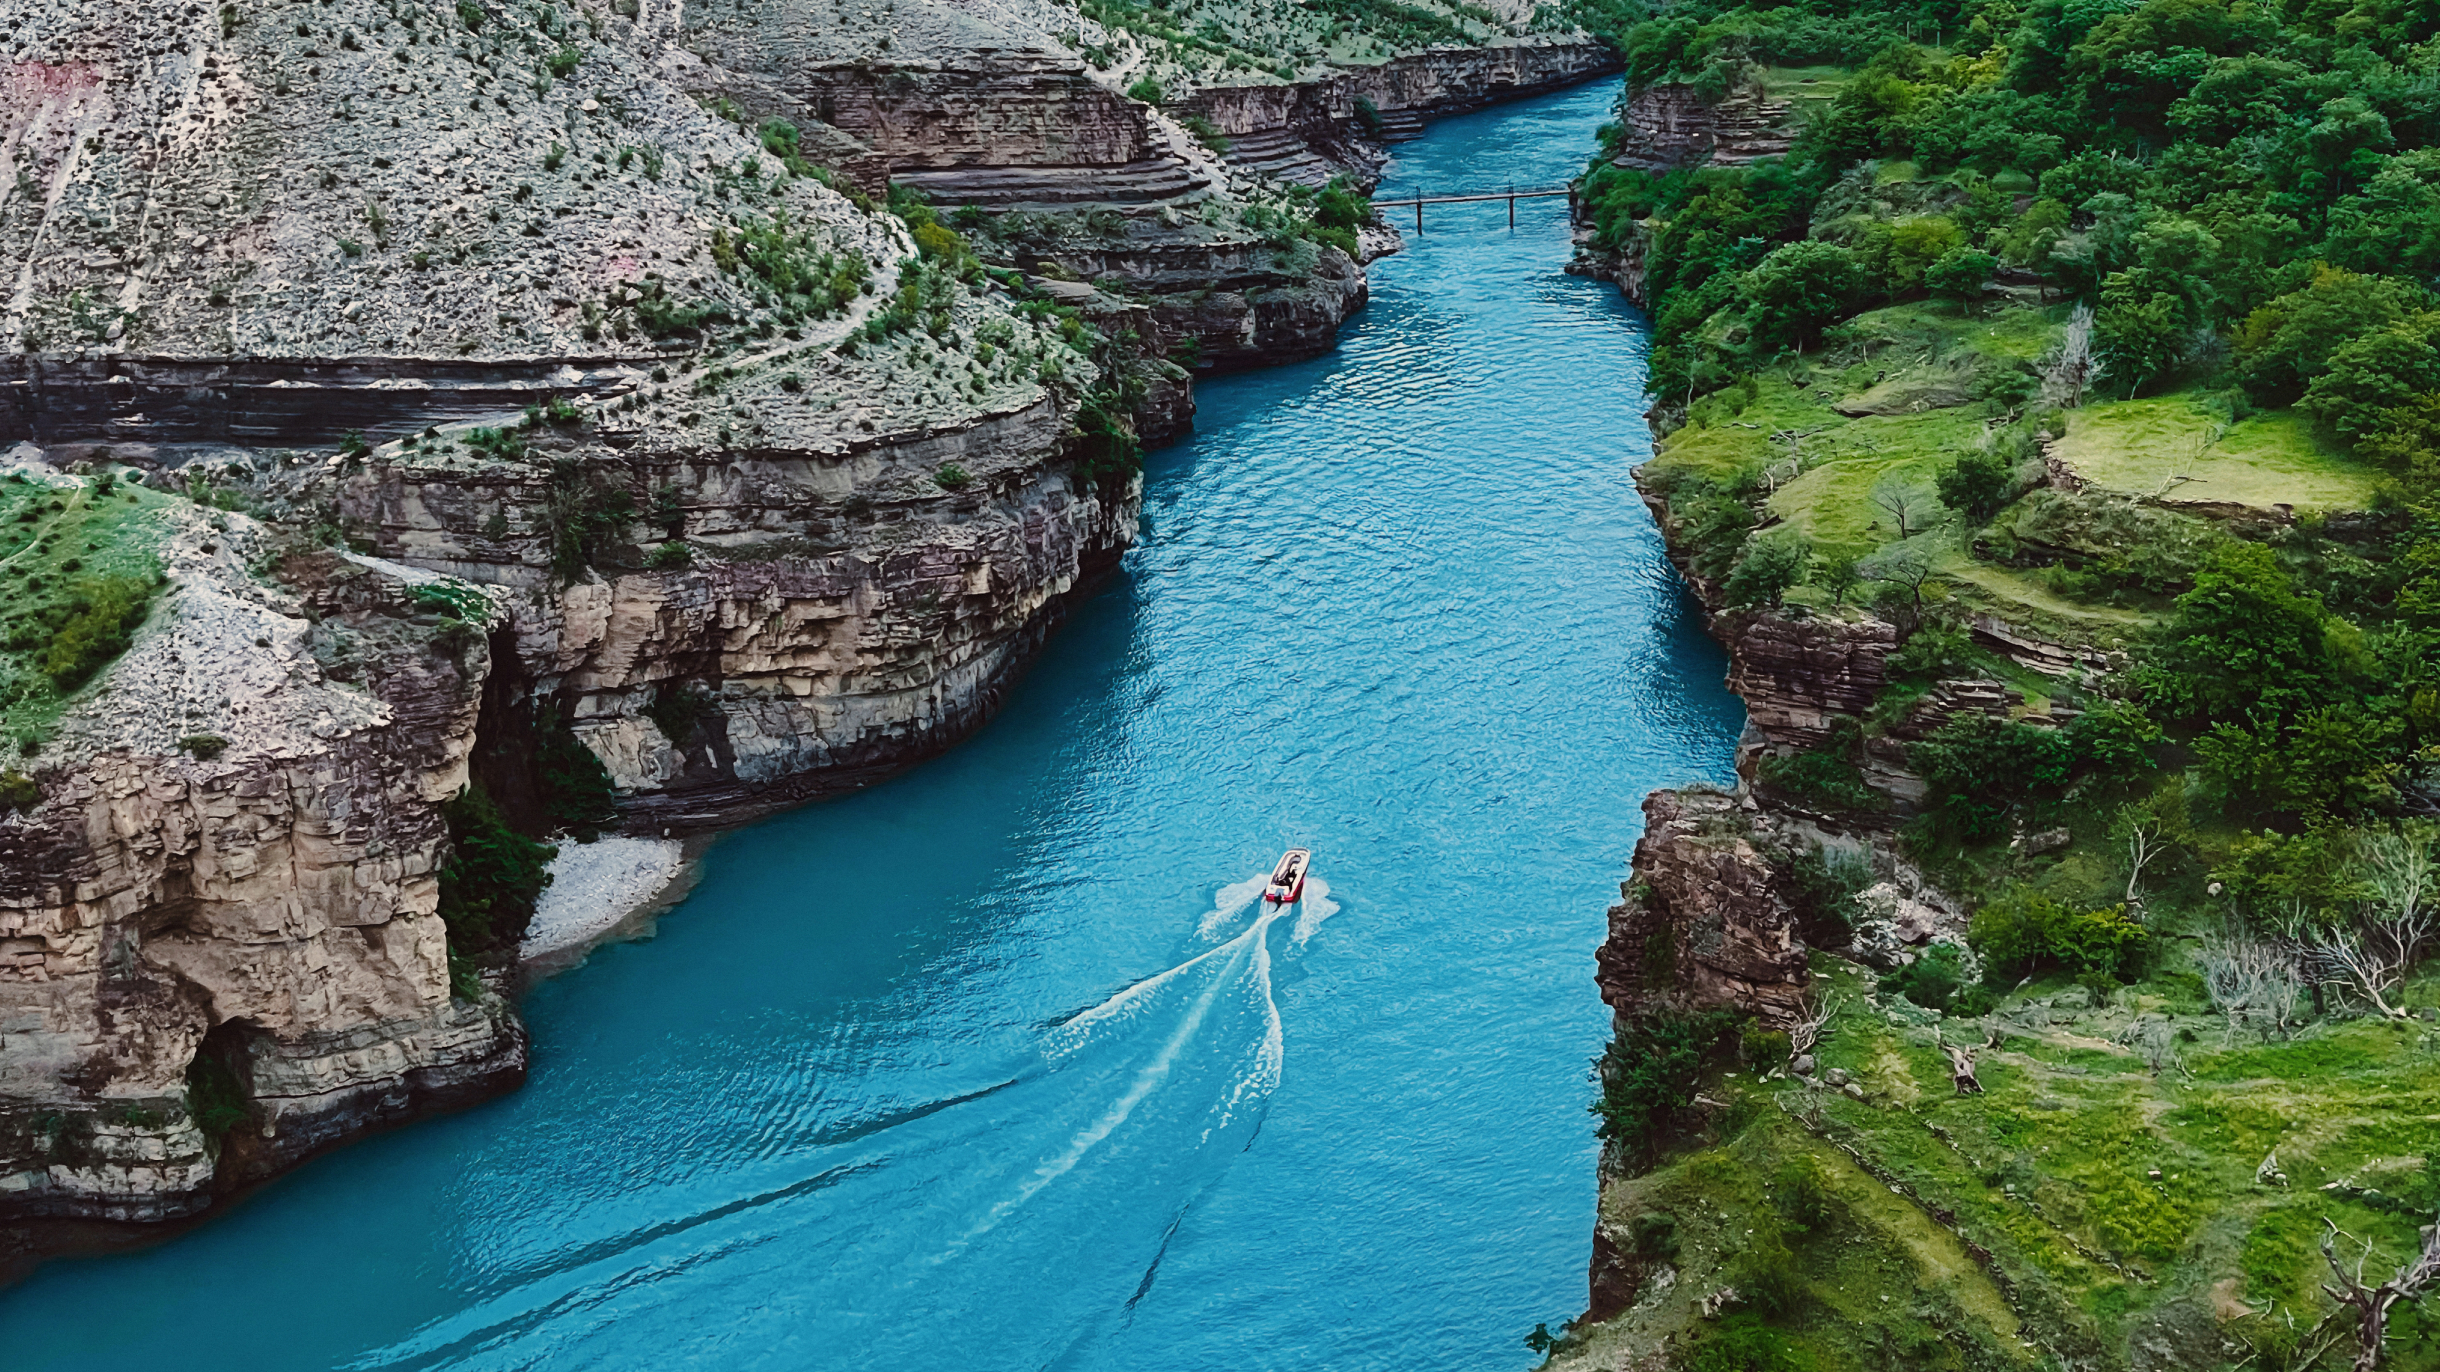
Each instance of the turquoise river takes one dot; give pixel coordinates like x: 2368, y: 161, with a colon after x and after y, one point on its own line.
x: 1000, y: 1065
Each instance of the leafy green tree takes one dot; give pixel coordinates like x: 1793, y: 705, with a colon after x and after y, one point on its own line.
x: 1768, y: 567
x: 1800, y: 287
x: 2237, y: 96
x: 2394, y: 224
x: 1960, y: 274
x: 2244, y: 643
x: 2371, y: 375
x: 1837, y: 574
x: 1896, y: 255
x: 2287, y: 342
x: 1978, y: 483
x: 2027, y: 242
x: 2139, y: 334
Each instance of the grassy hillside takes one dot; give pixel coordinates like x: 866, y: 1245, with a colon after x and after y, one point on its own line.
x: 2110, y: 328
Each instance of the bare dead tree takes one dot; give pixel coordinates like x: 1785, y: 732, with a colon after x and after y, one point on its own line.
x: 1961, y: 1065
x: 2250, y: 981
x: 1908, y: 507
x: 2371, y: 1305
x: 1818, y: 1009
x: 2353, y: 957
x: 2400, y: 871
x: 2144, y: 843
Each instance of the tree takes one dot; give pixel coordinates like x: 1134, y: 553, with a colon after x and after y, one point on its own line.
x: 1910, y: 508
x: 1960, y: 274
x: 2287, y: 342
x: 1903, y: 572
x: 1800, y: 287
x: 2244, y: 642
x: 2377, y: 372
x: 1978, y: 483
x: 1837, y: 575
x: 1767, y: 569
x: 2139, y: 334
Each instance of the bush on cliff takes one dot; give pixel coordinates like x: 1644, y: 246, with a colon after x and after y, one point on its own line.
x: 1648, y: 1078
x: 577, y: 793
x: 2025, y: 931
x: 1766, y: 570
x: 491, y: 878
x: 88, y: 627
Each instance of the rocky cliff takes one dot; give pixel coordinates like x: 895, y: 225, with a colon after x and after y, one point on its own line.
x: 1669, y: 126
x: 218, y: 904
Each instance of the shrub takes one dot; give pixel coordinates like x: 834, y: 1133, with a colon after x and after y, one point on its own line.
x: 1653, y: 1234
x: 677, y: 708
x: 563, y: 62
x: 2025, y: 931
x: 1766, y: 569
x: 1648, y: 1078
x: 470, y: 14
x: 93, y: 625
x: 577, y: 793
x: 672, y: 556
x: 952, y: 477
x: 1822, y: 884
x: 17, y: 790
x: 491, y: 879
x: 1823, y: 777
x: 1978, y: 483
x: 1206, y: 132
x: 1147, y: 90
x: 1762, y: 1049
x: 215, y: 1099
x: 1934, y: 980
x: 204, y: 747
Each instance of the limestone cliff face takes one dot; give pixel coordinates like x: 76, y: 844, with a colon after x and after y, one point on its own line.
x: 845, y: 615
x: 270, y: 909
x: 1309, y: 130
x: 1669, y: 126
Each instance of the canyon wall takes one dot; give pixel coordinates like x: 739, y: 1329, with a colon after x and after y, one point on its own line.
x: 264, y: 907
x: 791, y: 501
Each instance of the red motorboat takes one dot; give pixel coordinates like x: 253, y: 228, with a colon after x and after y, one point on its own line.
x: 1288, y: 878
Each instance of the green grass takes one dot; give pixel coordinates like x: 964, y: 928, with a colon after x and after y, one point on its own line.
x: 2173, y: 448
x: 2051, y: 1168
x: 88, y: 535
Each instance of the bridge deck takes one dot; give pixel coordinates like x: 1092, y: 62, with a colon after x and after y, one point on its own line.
x: 1527, y: 193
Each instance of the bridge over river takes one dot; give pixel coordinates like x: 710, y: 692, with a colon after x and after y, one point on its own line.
x: 1511, y: 194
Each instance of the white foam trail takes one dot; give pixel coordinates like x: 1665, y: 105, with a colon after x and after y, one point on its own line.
x: 1067, y: 1038
x: 1318, y: 906
x: 1146, y: 1081
x: 1231, y: 903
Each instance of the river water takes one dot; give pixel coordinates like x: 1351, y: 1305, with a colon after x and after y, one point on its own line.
x: 1000, y: 1065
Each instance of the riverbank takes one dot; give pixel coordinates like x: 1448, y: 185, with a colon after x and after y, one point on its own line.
x: 848, y: 1103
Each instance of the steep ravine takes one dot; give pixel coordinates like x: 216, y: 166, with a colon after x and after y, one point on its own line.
x: 264, y: 903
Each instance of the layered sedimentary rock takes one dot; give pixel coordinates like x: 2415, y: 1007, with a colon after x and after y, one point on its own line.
x: 265, y: 904
x: 1702, y: 925
x: 844, y: 613
x: 1670, y: 126
x: 1312, y: 130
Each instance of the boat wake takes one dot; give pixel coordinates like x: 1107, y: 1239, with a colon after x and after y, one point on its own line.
x: 1065, y: 1171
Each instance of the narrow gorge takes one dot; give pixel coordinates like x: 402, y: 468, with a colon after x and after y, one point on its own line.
x: 443, y: 435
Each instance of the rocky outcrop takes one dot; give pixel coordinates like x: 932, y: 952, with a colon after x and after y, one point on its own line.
x: 264, y: 907
x: 1701, y: 925
x: 844, y: 616
x: 1798, y: 675
x: 1670, y: 126
x: 1309, y: 131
